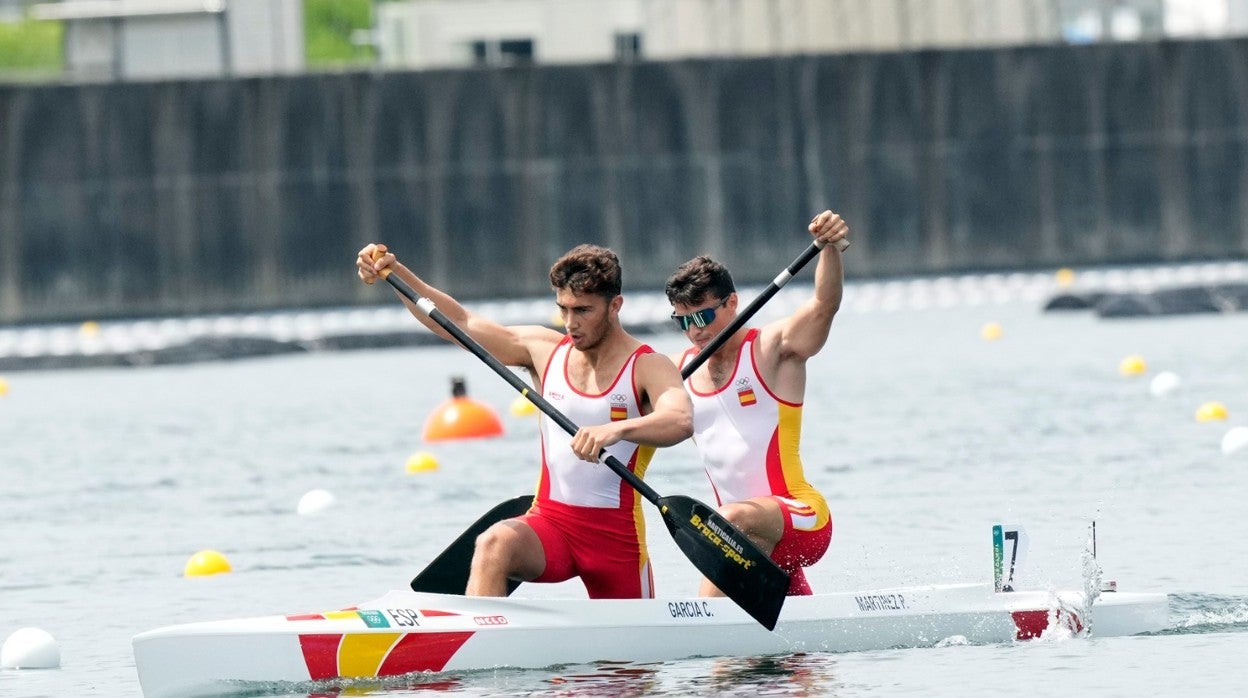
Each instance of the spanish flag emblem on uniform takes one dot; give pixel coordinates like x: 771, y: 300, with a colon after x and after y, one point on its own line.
x: 746, y: 397
x: 619, y: 413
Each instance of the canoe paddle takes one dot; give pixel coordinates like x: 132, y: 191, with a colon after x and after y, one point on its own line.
x: 719, y: 550
x: 744, y: 316
x: 448, y: 573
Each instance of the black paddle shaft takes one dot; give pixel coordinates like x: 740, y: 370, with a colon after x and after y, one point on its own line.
x: 720, y: 550
x: 744, y: 316
x: 516, y: 382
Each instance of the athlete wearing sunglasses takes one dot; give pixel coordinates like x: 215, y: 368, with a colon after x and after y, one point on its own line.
x: 698, y: 318
x: 747, y: 404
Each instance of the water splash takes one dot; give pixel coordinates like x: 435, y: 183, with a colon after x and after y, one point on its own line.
x: 954, y: 641
x: 1093, y: 577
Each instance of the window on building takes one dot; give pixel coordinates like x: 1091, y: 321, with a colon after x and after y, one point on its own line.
x: 502, y: 52
x: 627, y: 47
x: 515, y: 51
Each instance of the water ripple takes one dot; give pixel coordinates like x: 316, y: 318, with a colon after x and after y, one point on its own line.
x: 1197, y: 613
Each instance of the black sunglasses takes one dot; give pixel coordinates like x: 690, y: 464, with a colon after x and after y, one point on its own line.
x: 700, y: 318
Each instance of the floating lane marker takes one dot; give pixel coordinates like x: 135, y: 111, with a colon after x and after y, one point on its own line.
x: 314, y: 502
x: 421, y: 462
x: 461, y: 417
x: 206, y: 562
x: 1132, y: 365
x: 1163, y: 384
x: 1235, y: 440
x: 1212, y: 411
x: 30, y: 648
x: 522, y: 407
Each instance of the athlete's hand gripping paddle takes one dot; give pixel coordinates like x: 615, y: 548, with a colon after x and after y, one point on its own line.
x: 720, y: 551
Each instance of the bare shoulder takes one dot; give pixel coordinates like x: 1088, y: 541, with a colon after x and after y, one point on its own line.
x: 657, y: 366
x: 677, y: 357
x: 769, y: 346
x: 536, y: 341
x: 536, y: 334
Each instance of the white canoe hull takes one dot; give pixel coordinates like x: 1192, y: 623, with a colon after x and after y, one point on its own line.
x: 404, y: 632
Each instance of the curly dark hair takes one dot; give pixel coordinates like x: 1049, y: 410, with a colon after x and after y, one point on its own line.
x: 697, y: 280
x: 588, y: 269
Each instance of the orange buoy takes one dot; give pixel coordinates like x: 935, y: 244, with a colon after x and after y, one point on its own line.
x: 461, y: 417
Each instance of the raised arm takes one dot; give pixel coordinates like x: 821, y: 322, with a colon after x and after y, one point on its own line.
x: 802, y: 334
x: 514, y: 346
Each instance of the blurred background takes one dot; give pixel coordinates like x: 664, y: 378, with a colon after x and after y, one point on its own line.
x: 175, y: 157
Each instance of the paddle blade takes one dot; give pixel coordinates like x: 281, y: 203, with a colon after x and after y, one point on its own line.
x: 727, y: 557
x: 448, y: 573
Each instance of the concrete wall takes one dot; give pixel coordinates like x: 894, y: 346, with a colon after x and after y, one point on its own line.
x: 207, y: 196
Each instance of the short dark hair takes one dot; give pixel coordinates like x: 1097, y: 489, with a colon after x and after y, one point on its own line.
x: 588, y: 269
x: 696, y: 280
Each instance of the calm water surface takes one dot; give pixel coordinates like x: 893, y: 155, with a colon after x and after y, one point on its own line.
x: 921, y: 434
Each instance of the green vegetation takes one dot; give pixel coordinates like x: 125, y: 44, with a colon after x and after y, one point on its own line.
x: 28, y: 45
x: 327, y: 29
x: 31, y: 47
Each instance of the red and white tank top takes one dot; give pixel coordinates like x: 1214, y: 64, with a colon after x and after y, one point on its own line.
x: 749, y: 439
x: 568, y: 479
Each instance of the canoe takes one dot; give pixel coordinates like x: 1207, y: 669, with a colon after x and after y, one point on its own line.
x: 404, y: 632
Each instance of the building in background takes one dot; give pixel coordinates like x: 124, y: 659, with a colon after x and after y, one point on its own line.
x: 157, y: 39
x: 10, y: 10
x: 446, y: 33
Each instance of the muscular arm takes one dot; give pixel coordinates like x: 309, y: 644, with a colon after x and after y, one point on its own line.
x: 521, y: 346
x: 671, y: 416
x: 669, y: 421
x: 803, y: 334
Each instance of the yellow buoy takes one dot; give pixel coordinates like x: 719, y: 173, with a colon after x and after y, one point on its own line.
x: 90, y: 328
x: 556, y: 320
x: 990, y: 332
x: 1211, y: 412
x: 421, y: 462
x: 1132, y: 365
x: 1065, y: 277
x: 206, y: 562
x: 4, y: 387
x: 461, y: 417
x: 521, y: 407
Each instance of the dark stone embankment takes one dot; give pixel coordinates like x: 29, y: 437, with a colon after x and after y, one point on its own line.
x: 1183, y: 300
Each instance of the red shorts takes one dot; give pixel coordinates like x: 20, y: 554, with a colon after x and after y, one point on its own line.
x: 799, y: 547
x: 604, y: 547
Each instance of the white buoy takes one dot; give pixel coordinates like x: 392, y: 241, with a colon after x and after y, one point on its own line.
x: 30, y: 648
x: 1234, y: 440
x: 1163, y: 384
x: 314, y: 502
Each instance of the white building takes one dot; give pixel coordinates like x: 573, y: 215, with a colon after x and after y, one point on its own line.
x: 443, y: 33
x: 155, y: 39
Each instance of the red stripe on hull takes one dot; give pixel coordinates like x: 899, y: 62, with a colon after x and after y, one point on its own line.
x: 320, y: 653
x: 1032, y: 624
x: 423, y: 652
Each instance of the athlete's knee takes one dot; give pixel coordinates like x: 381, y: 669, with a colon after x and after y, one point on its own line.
x: 744, y: 515
x: 737, y: 514
x: 495, y: 547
